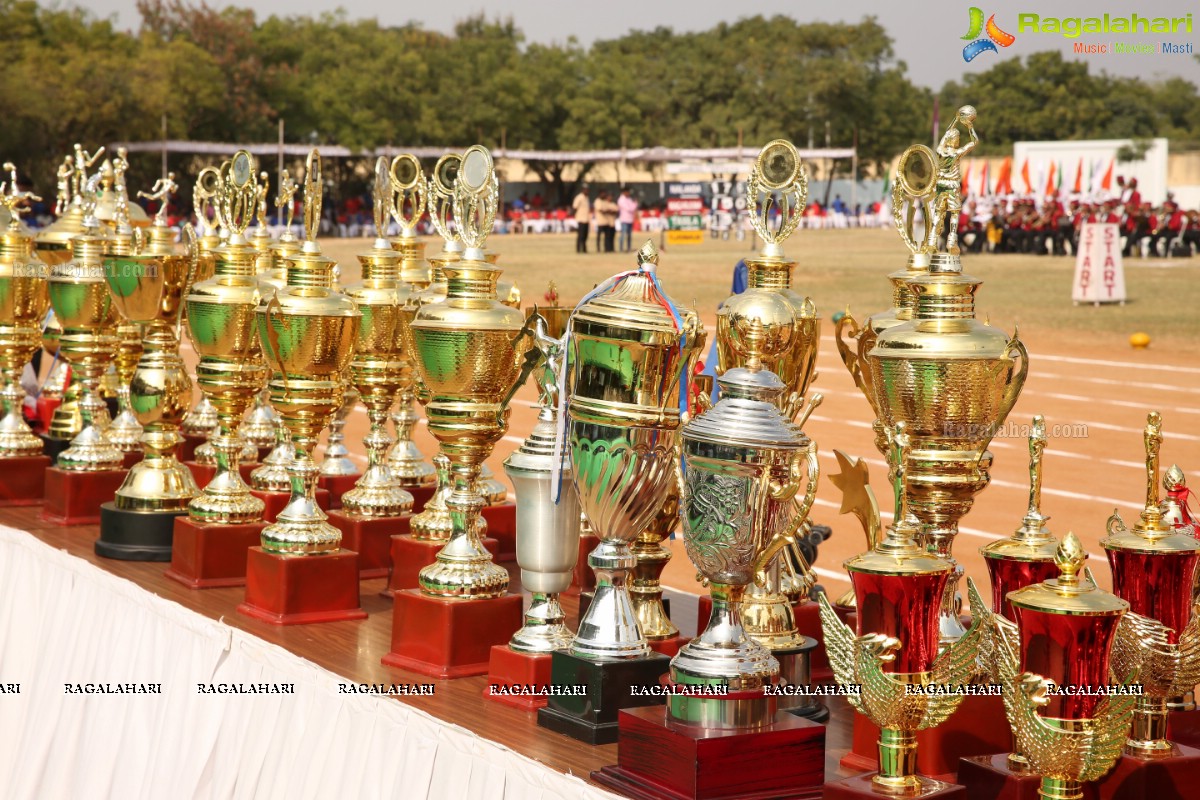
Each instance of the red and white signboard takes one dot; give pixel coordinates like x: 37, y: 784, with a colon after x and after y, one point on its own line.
x: 1099, y: 271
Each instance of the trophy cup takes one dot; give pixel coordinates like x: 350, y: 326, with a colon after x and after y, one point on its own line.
x: 24, y: 299
x: 260, y: 424
x: 1154, y: 571
x: 898, y: 589
x: 89, y: 471
x: 746, y: 461
x: 629, y: 350
x: 950, y: 378
x: 547, y: 544
x: 307, y: 330
x: 124, y: 432
x: 471, y: 355
x: 220, y: 316
x: 148, y: 290
x: 1065, y: 630
x: 1026, y: 557
x: 372, y: 510
x: 201, y: 420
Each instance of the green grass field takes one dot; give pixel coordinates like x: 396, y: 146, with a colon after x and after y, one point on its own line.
x: 840, y: 268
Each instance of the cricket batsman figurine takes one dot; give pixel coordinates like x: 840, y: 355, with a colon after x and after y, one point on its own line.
x: 947, y: 201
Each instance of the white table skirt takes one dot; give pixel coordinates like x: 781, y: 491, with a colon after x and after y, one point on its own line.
x: 64, y: 620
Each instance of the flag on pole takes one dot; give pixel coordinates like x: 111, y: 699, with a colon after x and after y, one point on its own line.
x: 1050, y: 180
x: 1004, y: 179
x: 1058, y: 179
x: 983, y: 180
x: 1078, y: 177
x: 1106, y: 182
x: 1025, y: 177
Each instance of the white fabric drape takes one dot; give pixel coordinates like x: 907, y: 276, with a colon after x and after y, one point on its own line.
x: 63, y: 620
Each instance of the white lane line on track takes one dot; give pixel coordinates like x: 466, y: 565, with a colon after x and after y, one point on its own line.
x: 1167, y: 434
x: 1158, y: 387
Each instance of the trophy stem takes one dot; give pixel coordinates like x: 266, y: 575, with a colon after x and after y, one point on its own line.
x: 124, y: 432
x: 272, y: 476
x: 545, y: 628
x: 16, y: 437
x: 609, y: 629
x: 939, y: 540
x: 646, y: 589
x: 337, y: 455
x: 300, y: 528
x: 464, y: 567
x: 1148, y: 736
x: 89, y: 450
x: 405, y: 459
x: 226, y: 498
x: 1060, y: 789
x: 433, y: 523
x: 377, y: 493
x: 897, y: 761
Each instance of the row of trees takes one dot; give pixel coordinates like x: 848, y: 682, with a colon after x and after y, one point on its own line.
x: 223, y: 75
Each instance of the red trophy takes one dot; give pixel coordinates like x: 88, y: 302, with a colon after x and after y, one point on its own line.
x: 907, y: 683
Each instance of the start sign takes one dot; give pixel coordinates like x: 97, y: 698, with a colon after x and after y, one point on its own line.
x: 1099, y: 271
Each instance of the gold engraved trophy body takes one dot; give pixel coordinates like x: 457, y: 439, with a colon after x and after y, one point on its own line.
x: 124, y: 432
x: 220, y: 315
x: 201, y: 419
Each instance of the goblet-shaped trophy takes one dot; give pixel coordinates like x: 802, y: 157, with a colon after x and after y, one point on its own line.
x: 220, y: 314
x: 84, y: 310
x: 629, y: 350
x: 24, y: 299
x: 378, y: 368
x: 898, y: 589
x: 746, y: 462
x: 308, y: 331
x: 124, y: 432
x: 201, y: 419
x: 469, y: 351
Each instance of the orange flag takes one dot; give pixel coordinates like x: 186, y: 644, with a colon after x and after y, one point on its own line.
x: 1004, y: 179
x: 1050, y: 180
x: 1078, y: 178
x: 1106, y: 181
x: 1025, y: 177
x: 966, y: 179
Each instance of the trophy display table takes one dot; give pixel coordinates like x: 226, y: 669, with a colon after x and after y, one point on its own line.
x: 449, y: 637
x: 203, y: 473
x: 298, y: 590
x: 74, y: 498
x: 208, y: 555
x: 659, y: 757
x: 410, y: 555
x: 607, y: 688
x: 23, y: 480
x: 515, y: 679
x: 337, y: 485
x: 275, y: 501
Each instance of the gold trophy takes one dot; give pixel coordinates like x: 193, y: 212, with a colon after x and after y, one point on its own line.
x: 645, y: 589
x: 470, y: 352
x: 24, y: 299
x: 260, y: 424
x: 220, y: 316
x: 951, y: 379
x: 898, y: 589
x: 124, y: 432
x: 201, y: 419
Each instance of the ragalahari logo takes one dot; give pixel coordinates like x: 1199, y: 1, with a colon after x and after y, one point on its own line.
x: 995, y: 36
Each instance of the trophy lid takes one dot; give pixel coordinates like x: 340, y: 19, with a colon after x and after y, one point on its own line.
x: 1031, y: 541
x: 1070, y: 592
x: 633, y: 307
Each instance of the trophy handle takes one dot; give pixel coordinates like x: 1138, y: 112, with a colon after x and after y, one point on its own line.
x: 191, y: 249
x: 781, y: 540
x: 846, y: 330
x: 1115, y: 524
x: 533, y: 357
x: 1012, y: 390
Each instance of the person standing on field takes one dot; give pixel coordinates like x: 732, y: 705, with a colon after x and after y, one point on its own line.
x: 582, y: 206
x: 627, y: 208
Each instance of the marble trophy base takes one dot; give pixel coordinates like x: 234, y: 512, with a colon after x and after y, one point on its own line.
x: 210, y: 555
x: 74, y: 498
x: 410, y: 555
x: 513, y: 678
x: 273, y: 502
x: 300, y: 590
x: 23, y: 480
x: 659, y: 758
x: 449, y: 637
x: 592, y: 716
x: 136, y: 535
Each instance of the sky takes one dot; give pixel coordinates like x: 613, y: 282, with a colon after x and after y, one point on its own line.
x: 927, y: 34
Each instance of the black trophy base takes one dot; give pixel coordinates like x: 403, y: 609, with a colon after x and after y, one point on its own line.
x: 817, y: 712
x: 52, y: 446
x: 136, y: 535
x: 606, y: 687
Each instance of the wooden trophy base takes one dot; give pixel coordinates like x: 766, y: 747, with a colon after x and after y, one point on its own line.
x: 203, y: 473
x: 669, y: 647
x: 23, y: 480
x: 74, y: 498
x: 136, y: 535
x: 661, y: 759
x: 298, y: 590
x: 502, y: 526
x: 860, y: 787
x: 337, y: 485
x: 607, y: 688
x: 1183, y: 727
x: 1172, y: 776
x: 411, y: 555
x: 187, y: 450
x: 515, y: 678
x: 131, y: 457
x: 977, y: 728
x: 447, y: 637
x: 273, y: 502
x: 211, y: 555
x: 582, y: 577
x: 371, y: 538
x: 991, y: 778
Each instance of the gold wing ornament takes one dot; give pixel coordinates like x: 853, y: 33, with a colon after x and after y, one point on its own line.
x: 841, y: 645
x: 956, y: 665
x: 1142, y: 646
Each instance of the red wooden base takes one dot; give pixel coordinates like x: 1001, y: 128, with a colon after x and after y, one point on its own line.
x: 297, y: 590
x: 660, y: 758
x: 449, y: 638
x: 337, y: 485
x: 203, y: 473
x: 502, y: 527
x: 669, y: 647
x: 207, y: 556
x: 23, y: 480
x: 582, y: 577
x: 990, y: 778
x: 1183, y: 727
x: 74, y: 498
x: 519, y: 673
x: 46, y: 407
x: 188, y: 448
x: 421, y: 496
x: 860, y: 787
x: 275, y: 501
x: 977, y: 728
x: 371, y: 538
x: 1172, y: 777
x: 131, y: 458
x: 410, y: 556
